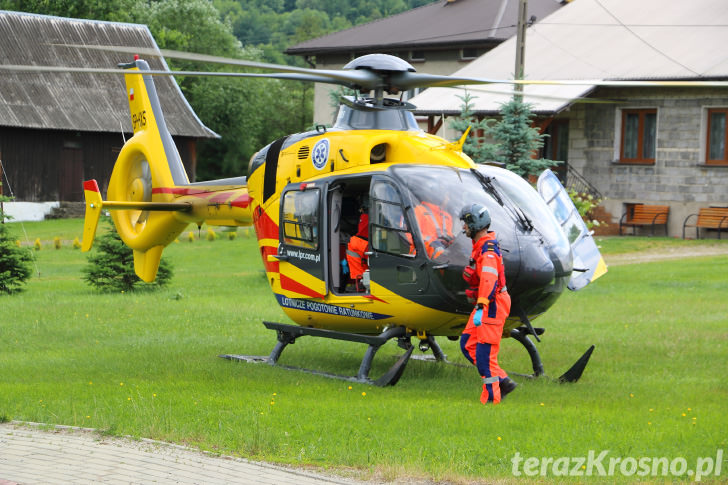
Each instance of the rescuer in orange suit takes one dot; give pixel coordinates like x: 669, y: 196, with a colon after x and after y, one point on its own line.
x: 435, y: 226
x: 486, y: 278
x: 358, y: 245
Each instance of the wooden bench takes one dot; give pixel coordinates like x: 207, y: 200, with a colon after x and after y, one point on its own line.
x: 645, y: 215
x: 708, y: 218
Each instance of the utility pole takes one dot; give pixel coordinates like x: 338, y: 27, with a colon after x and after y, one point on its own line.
x: 520, y: 47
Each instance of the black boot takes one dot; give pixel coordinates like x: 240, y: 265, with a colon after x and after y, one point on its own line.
x: 507, y: 386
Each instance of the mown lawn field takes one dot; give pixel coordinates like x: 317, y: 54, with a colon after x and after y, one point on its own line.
x: 146, y: 364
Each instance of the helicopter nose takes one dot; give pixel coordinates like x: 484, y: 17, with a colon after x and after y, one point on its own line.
x: 537, y: 266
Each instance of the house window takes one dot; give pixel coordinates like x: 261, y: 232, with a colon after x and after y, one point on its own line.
x: 468, y: 53
x: 717, y: 151
x: 639, y: 136
x: 417, y: 56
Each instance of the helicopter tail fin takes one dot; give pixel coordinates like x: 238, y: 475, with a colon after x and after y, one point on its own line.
x: 149, y: 195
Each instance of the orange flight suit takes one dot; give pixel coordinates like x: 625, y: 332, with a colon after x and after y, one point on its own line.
x: 480, y: 344
x: 435, y: 227
x: 358, y: 245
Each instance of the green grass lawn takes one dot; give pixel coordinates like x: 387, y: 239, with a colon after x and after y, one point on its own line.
x: 146, y: 364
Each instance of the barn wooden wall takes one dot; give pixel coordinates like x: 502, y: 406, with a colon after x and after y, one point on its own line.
x: 51, y: 165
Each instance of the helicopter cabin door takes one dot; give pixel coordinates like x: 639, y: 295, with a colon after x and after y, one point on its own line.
x: 394, y: 262
x: 588, y: 262
x: 301, y: 244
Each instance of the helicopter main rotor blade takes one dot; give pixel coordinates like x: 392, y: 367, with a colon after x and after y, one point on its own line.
x: 409, y: 80
x: 101, y: 70
x: 363, y: 77
x: 366, y: 79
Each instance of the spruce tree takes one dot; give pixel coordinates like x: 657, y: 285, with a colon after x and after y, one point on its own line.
x: 474, y: 146
x: 14, y: 261
x: 516, y: 140
x: 111, y: 266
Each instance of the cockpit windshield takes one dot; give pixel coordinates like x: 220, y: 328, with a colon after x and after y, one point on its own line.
x: 529, y: 202
x: 439, y: 193
x: 437, y: 196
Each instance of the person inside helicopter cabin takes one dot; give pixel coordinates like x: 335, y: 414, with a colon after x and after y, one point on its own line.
x: 358, y: 245
x: 485, y: 276
x: 435, y: 222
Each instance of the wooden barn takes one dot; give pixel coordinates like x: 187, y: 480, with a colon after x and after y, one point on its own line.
x: 58, y: 129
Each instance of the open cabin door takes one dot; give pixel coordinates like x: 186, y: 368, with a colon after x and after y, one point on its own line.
x: 301, y: 242
x: 588, y: 262
x: 395, y: 262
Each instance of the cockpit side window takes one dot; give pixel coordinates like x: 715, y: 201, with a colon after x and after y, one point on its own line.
x: 389, y: 229
x: 300, y: 218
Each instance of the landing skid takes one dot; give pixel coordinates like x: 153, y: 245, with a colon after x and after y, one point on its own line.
x: 287, y: 334
x: 572, y: 375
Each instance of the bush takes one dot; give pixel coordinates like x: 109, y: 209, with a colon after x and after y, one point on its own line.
x: 14, y: 260
x: 585, y: 204
x: 111, y: 266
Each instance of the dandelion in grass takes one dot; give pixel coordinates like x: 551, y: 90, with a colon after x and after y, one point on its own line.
x: 499, y: 438
x: 363, y: 393
x: 350, y: 388
x: 631, y: 395
x: 121, y: 383
x: 542, y: 404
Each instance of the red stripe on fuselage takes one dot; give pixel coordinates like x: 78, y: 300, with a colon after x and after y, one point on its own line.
x: 217, y: 197
x: 179, y: 191
x: 372, y: 297
x: 242, y: 201
x: 265, y: 228
x: 293, y: 285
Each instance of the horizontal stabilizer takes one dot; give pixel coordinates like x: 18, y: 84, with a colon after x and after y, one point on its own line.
x: 93, y: 213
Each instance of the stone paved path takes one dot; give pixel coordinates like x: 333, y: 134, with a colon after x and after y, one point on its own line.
x: 30, y: 454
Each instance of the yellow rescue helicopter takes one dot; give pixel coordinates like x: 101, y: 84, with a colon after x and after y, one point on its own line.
x: 303, y: 193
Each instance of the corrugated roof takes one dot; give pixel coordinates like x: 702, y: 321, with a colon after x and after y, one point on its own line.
x: 80, y: 102
x: 440, y: 23
x: 599, y: 39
